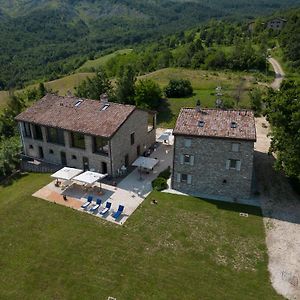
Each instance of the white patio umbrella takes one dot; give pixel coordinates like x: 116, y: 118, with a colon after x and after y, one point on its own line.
x: 167, y: 135
x: 66, y: 173
x: 146, y: 163
x: 90, y: 177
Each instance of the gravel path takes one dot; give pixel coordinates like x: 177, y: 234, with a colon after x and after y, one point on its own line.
x: 281, y: 210
x: 279, y: 73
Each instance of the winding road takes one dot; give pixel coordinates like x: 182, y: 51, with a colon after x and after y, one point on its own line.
x: 279, y: 73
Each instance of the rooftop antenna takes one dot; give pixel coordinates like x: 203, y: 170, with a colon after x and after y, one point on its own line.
x: 198, y: 106
x: 219, y: 94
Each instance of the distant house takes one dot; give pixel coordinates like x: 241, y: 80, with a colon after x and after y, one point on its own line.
x: 213, y: 152
x: 276, y: 23
x: 85, y: 133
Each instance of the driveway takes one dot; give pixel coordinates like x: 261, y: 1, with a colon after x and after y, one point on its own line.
x: 279, y: 73
x: 281, y: 211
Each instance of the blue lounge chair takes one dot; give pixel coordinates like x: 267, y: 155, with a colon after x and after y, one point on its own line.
x: 97, y: 205
x: 106, y: 209
x: 117, y: 214
x: 88, y: 202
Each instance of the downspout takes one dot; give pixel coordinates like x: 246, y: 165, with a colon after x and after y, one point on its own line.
x: 111, y: 167
x: 22, y: 138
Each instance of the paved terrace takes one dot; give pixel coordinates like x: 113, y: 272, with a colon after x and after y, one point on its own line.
x: 130, y: 192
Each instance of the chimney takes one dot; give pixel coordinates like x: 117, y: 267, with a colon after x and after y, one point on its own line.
x: 198, y: 106
x: 104, y: 98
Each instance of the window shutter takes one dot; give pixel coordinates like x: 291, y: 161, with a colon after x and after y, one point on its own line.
x: 227, y: 164
x: 192, y: 159
x: 238, y: 165
x: 178, y: 177
x: 181, y: 159
x: 189, y: 179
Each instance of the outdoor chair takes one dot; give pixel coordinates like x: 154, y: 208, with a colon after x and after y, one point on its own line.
x: 88, y: 202
x: 117, y: 214
x: 97, y: 205
x: 106, y: 209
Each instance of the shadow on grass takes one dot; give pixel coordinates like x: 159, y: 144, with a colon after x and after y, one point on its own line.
x: 236, y: 207
x: 7, y: 181
x: 165, y: 115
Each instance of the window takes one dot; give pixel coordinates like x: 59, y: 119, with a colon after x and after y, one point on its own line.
x: 187, y: 143
x: 77, y: 140
x: 38, y: 135
x: 184, y: 178
x: 132, y: 139
x: 51, y: 151
x: 100, y: 145
x: 201, y: 123
x: 27, y: 130
x: 55, y: 136
x: 233, y: 164
x: 30, y: 147
x: 235, y: 147
x: 74, y: 157
x: 187, y: 159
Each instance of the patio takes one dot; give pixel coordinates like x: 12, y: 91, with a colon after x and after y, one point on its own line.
x: 130, y: 192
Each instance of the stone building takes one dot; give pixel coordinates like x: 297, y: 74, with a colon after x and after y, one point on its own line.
x: 86, y: 134
x: 213, y: 152
x: 276, y: 23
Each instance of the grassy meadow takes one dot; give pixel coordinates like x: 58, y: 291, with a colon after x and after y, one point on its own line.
x: 182, y: 248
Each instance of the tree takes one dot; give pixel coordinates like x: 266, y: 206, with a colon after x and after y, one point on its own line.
x: 147, y: 94
x: 179, y: 88
x: 283, y: 113
x: 125, y: 91
x: 256, y: 101
x: 9, y: 155
x: 93, y: 87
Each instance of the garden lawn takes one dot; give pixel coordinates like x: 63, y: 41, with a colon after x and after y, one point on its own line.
x: 204, y: 84
x: 182, y: 248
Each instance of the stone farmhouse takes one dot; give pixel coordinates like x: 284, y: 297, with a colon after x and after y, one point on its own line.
x: 86, y: 134
x: 213, y: 153
x: 276, y: 23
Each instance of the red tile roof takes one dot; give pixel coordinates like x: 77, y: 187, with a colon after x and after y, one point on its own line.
x: 87, y: 117
x: 216, y: 123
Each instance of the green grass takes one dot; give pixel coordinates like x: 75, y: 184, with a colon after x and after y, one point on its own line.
x: 182, y: 248
x: 64, y: 84
x: 204, y: 84
x: 91, y: 65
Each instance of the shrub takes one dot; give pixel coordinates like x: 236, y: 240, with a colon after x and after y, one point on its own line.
x: 165, y: 173
x: 159, y: 184
x: 179, y: 88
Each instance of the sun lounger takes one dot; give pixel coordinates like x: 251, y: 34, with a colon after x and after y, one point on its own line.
x: 106, y: 209
x: 97, y: 205
x: 117, y: 214
x: 89, y: 201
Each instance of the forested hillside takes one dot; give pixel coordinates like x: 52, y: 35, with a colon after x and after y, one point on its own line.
x: 42, y: 39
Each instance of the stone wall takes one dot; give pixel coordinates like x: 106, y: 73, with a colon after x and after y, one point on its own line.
x: 120, y: 146
x: 210, y: 173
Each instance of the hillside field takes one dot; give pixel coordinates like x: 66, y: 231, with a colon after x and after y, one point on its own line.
x: 182, y: 248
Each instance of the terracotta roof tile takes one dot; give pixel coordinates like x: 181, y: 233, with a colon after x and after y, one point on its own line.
x: 216, y: 123
x: 87, y: 117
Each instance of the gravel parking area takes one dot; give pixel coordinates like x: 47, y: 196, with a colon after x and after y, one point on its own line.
x: 281, y: 210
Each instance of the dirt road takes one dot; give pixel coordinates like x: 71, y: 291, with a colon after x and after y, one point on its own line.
x: 281, y: 210
x: 279, y: 73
